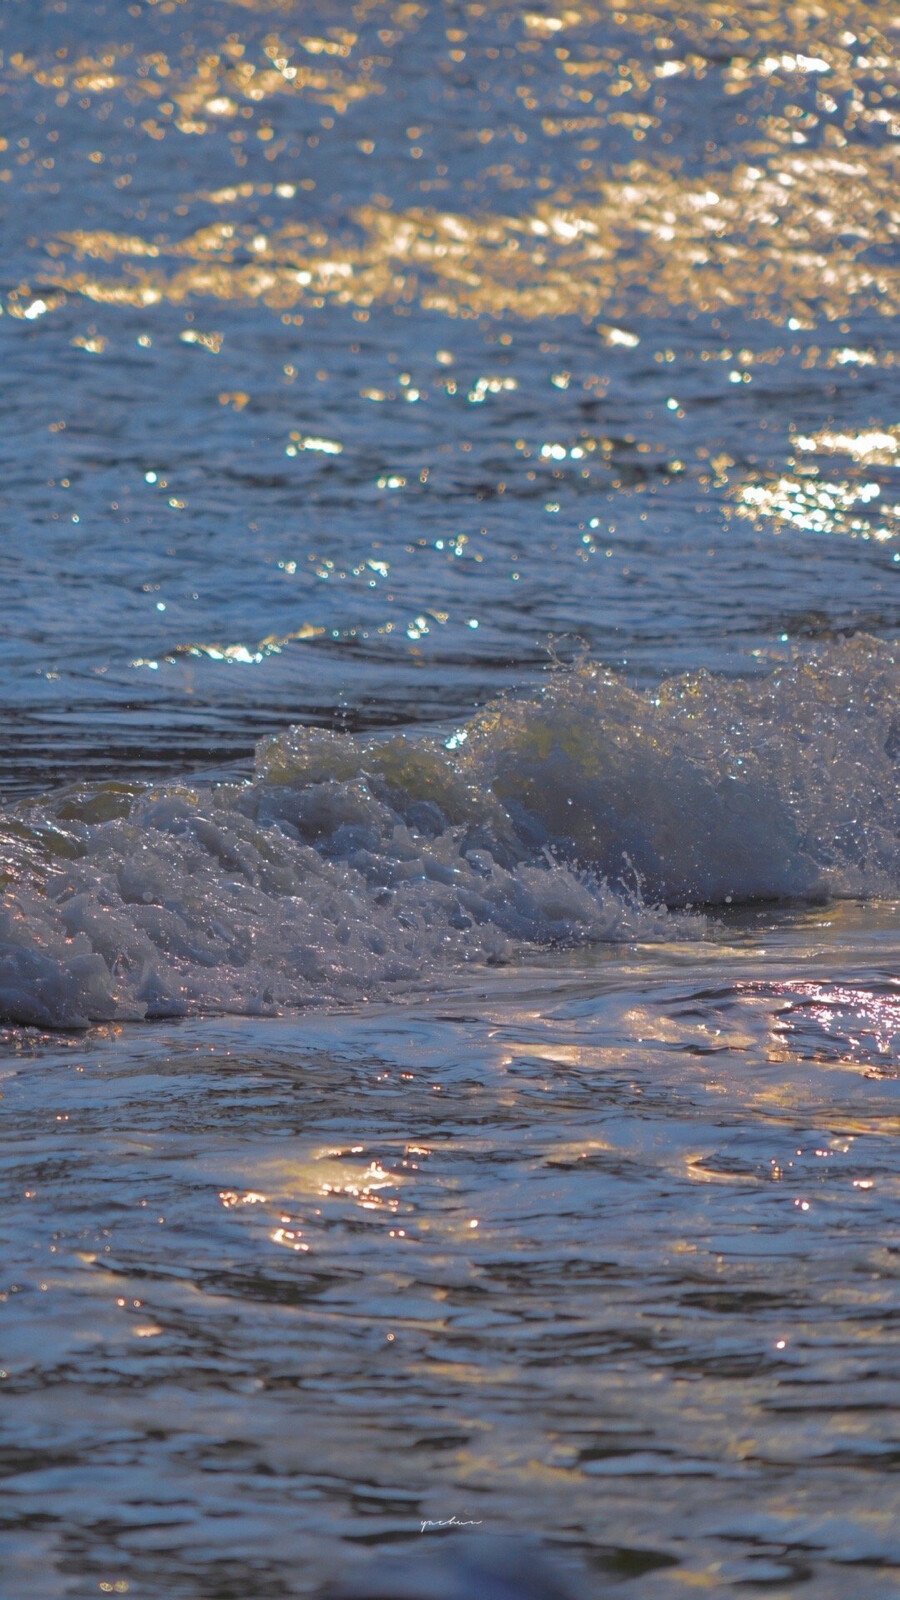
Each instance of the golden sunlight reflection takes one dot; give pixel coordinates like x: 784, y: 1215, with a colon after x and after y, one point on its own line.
x: 862, y: 1018
x: 802, y: 223
x: 252, y: 1197
x: 822, y: 506
x: 319, y: 1176
x: 290, y: 1238
x: 760, y: 240
x: 253, y: 654
x: 297, y: 1196
x: 215, y: 85
x: 874, y: 446
x: 235, y: 654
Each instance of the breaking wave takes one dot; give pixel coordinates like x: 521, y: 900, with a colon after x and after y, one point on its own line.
x: 348, y: 866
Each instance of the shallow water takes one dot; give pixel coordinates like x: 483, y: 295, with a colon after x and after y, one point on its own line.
x: 362, y: 366
x: 608, y: 1248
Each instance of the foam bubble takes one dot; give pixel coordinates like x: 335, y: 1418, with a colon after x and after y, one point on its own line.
x: 352, y: 866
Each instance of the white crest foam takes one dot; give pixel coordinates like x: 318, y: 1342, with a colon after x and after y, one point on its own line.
x: 351, y: 866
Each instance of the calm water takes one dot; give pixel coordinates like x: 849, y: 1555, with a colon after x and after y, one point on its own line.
x: 474, y: 1109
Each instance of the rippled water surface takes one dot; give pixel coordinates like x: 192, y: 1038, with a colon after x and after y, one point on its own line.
x: 362, y: 349
x: 362, y: 365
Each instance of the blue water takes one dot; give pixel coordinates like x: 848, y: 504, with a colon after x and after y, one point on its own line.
x: 503, y: 245
x: 362, y: 366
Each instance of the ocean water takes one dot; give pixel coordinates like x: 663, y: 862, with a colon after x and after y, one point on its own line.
x: 449, y: 806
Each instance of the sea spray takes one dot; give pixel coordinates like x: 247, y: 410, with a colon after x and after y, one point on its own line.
x: 351, y: 867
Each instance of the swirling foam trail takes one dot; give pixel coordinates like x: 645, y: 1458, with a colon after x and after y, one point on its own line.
x: 352, y: 865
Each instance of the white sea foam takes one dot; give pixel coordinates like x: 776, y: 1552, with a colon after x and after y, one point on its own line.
x: 350, y: 866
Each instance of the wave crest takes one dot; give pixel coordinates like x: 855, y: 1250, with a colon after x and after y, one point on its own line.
x: 349, y: 866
